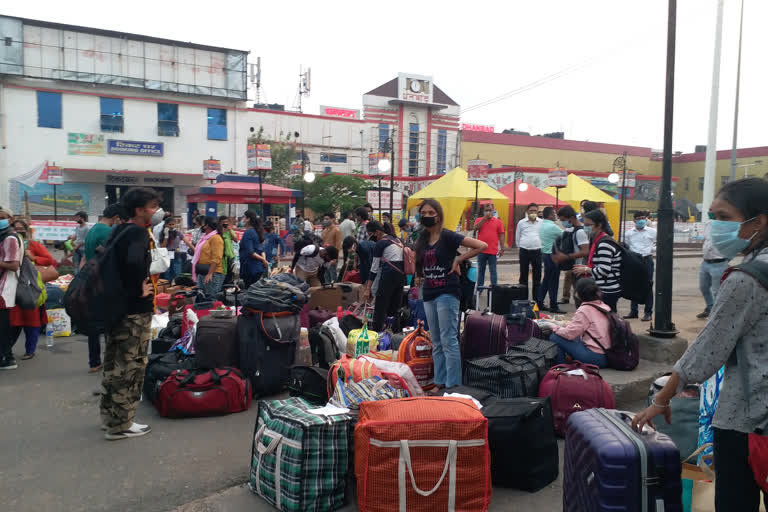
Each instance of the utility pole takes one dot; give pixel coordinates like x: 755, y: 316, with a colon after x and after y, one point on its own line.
x: 662, y: 325
x: 736, y: 108
x: 710, y: 164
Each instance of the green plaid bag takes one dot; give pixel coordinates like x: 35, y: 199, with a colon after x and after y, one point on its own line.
x: 300, y: 460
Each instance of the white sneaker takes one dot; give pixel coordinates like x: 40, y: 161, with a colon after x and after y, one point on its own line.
x: 135, y: 430
x: 135, y: 425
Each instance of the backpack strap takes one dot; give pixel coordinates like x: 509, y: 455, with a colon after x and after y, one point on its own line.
x: 401, y: 246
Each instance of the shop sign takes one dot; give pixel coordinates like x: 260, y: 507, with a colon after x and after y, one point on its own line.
x: 53, y: 229
x: 373, y: 162
x: 85, y: 144
x: 469, y: 127
x: 156, y: 181
x: 557, y: 178
x: 54, y: 175
x: 132, y: 147
x: 211, y: 169
x: 117, y: 179
x: 346, y: 113
x: 259, y: 157
x: 630, y: 180
x: 372, y: 196
x: 477, y: 170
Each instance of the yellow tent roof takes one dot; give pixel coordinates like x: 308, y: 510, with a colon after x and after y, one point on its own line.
x: 455, y: 194
x: 579, y: 189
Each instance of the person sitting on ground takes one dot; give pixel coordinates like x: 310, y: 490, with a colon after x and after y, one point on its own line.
x: 582, y: 337
x: 310, y: 260
x: 604, y: 262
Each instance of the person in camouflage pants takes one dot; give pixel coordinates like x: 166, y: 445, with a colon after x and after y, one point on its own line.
x: 125, y: 360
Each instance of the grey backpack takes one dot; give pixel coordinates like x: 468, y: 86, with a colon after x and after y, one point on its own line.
x: 28, y: 289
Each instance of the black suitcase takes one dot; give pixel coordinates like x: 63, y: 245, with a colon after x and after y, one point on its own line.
x: 538, y: 346
x: 160, y: 366
x: 507, y: 376
x: 502, y: 296
x: 522, y: 441
x: 267, y: 348
x: 216, y: 343
x: 309, y: 383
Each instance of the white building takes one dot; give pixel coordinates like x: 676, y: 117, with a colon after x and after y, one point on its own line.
x: 113, y: 110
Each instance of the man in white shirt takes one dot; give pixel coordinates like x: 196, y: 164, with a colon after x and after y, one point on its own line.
x: 642, y: 240
x: 528, y: 242
x: 307, y: 263
x: 347, y: 226
x: 711, y: 271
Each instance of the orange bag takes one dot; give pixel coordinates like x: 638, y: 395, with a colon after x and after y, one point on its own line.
x: 416, y: 351
x: 422, y: 454
x: 349, y: 368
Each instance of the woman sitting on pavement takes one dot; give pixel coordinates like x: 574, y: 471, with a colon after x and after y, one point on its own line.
x: 587, y: 335
x: 604, y: 263
x: 735, y: 337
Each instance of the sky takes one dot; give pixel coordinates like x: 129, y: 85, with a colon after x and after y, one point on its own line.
x: 594, y: 69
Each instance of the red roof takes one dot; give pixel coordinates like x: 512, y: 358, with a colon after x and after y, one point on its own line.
x: 532, y: 195
x: 509, y: 139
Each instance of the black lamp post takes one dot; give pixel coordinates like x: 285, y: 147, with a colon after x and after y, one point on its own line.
x: 388, y: 146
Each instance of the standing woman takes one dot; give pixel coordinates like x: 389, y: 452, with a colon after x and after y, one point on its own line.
x: 604, y: 263
x: 438, y: 263
x: 229, y: 236
x: 207, y: 267
x: 253, y: 263
x: 31, y: 320
x: 734, y: 336
x: 388, y: 265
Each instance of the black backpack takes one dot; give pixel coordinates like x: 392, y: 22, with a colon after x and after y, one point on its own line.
x: 567, y: 245
x: 636, y: 281
x: 624, y: 353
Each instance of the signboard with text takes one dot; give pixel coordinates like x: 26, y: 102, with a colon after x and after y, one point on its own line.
x: 346, y: 113
x: 259, y: 157
x: 54, y: 175
x: 133, y: 147
x: 373, y: 162
x: 372, y: 196
x: 557, y: 178
x: 85, y: 144
x: 477, y: 170
x: 629, y: 181
x: 53, y: 229
x: 211, y: 169
x: 469, y: 127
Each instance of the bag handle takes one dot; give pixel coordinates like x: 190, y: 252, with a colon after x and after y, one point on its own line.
x: 708, y: 469
x: 404, y: 464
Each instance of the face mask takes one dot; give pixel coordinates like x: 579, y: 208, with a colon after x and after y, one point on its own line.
x: 640, y: 223
x: 157, y: 217
x: 533, y: 216
x: 4, y: 223
x: 588, y: 230
x: 725, y: 237
x: 567, y: 224
x: 326, y: 223
x: 428, y: 222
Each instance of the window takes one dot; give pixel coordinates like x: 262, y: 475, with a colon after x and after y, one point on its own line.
x: 326, y: 170
x: 48, y: 109
x: 168, y: 119
x: 217, y: 124
x: 442, y: 149
x: 336, y: 158
x: 687, y: 183
x: 111, y: 114
x: 413, y: 150
x: 383, y: 136
x: 701, y: 183
x: 302, y: 155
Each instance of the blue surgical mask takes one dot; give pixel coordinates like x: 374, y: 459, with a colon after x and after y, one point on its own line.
x: 567, y: 224
x: 588, y: 230
x: 640, y: 224
x: 4, y: 223
x: 725, y: 237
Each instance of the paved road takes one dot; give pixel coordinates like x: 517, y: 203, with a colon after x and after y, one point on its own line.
x: 54, y: 456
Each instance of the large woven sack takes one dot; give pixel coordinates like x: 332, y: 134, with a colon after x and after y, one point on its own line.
x: 421, y: 455
x: 350, y: 369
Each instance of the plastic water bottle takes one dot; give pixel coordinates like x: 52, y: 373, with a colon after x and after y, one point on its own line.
x: 49, y: 336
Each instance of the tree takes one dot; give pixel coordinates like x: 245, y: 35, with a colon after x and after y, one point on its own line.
x: 335, y: 193
x: 283, y: 155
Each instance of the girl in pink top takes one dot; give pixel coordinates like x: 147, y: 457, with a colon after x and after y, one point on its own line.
x: 586, y: 336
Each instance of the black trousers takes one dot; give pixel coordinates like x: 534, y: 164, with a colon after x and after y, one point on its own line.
x: 532, y: 259
x: 6, y: 336
x: 735, y: 485
x: 389, y: 296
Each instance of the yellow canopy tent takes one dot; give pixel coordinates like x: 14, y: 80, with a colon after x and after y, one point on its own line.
x: 579, y: 189
x: 455, y: 194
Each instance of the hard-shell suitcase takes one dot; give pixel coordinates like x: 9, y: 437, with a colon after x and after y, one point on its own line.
x: 523, y: 445
x: 191, y: 393
x: 421, y: 455
x: 610, y: 467
x: 325, y: 297
x: 216, y: 343
x: 350, y: 293
x: 267, y: 348
x: 506, y: 376
x: 300, y: 460
x: 485, y: 334
x: 518, y: 333
x: 538, y: 346
x: 502, y: 296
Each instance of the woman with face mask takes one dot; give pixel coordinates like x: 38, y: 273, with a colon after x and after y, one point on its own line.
x: 735, y: 336
x: 604, y: 262
x: 438, y: 265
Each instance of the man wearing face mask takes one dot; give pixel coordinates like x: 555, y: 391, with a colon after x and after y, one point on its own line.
x: 713, y: 266
x: 642, y: 240
x: 331, y: 236
x: 528, y: 241
x: 81, y: 231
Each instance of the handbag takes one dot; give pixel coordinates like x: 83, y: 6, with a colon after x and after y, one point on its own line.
x: 202, y: 269
x: 161, y: 259
x: 48, y: 273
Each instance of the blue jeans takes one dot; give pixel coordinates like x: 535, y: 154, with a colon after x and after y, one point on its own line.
x: 212, y: 289
x: 648, y: 308
x: 551, y: 282
x: 483, y: 260
x: 31, y: 335
x: 174, y: 269
x: 709, y: 280
x: 577, y: 350
x: 443, y: 319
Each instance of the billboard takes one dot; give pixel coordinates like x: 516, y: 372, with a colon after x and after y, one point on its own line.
x: 346, y: 113
x: 70, y: 198
x: 85, y: 144
x: 477, y: 170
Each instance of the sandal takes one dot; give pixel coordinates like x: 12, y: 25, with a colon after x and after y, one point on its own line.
x: 436, y: 391
x: 27, y: 356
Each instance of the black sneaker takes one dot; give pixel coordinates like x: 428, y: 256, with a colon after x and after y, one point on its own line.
x: 630, y: 316
x: 647, y: 317
x: 563, y: 301
x: 556, y: 310
x: 703, y: 314
x: 9, y: 364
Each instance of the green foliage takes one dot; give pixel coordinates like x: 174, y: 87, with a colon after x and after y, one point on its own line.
x: 335, y: 193
x: 283, y: 156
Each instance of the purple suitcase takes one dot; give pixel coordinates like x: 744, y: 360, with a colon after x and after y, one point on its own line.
x: 485, y: 334
x: 610, y: 467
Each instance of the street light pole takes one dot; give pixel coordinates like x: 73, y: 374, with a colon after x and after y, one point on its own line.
x: 662, y: 325
x: 391, y: 141
x: 517, y: 175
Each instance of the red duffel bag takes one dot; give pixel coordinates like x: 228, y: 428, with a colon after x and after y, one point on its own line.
x: 189, y: 393
x: 573, y: 388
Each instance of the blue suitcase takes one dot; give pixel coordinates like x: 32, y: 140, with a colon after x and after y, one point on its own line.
x: 610, y: 467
